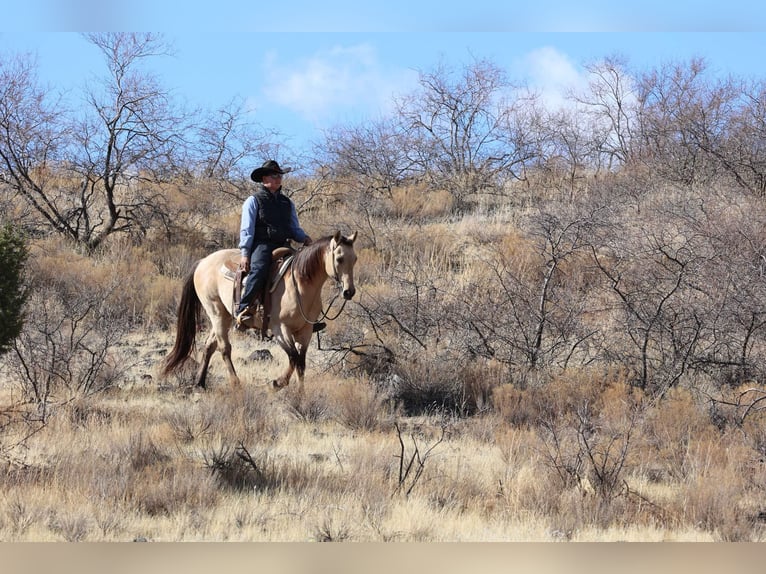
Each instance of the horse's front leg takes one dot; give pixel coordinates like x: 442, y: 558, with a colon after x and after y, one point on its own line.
x: 295, y: 350
x: 300, y: 362
x: 284, y: 378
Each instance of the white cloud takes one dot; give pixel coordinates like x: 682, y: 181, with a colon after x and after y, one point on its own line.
x: 342, y: 80
x: 552, y: 74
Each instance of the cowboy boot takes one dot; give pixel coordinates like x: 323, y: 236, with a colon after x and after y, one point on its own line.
x: 248, y: 317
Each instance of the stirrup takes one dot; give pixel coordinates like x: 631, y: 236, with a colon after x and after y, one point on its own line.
x: 241, y: 320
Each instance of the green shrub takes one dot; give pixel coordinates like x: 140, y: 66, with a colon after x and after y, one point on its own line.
x: 13, y: 293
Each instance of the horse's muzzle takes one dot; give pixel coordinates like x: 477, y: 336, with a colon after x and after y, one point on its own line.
x: 349, y: 293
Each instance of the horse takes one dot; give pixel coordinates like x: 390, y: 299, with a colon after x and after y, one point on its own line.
x: 296, y: 305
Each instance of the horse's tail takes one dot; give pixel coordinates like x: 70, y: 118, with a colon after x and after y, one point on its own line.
x: 186, y: 325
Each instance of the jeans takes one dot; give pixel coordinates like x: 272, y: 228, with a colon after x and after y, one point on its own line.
x: 260, y: 263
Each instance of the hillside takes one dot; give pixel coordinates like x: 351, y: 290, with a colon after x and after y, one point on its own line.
x: 558, y: 332
x: 409, y: 428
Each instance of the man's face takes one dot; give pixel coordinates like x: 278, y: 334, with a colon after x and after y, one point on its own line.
x: 273, y: 181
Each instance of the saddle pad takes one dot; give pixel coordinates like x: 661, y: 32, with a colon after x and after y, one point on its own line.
x: 230, y: 274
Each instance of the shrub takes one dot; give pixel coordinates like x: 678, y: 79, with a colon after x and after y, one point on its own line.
x: 66, y: 348
x: 359, y: 405
x: 13, y: 293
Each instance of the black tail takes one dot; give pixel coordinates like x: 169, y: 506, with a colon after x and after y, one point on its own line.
x: 186, y: 325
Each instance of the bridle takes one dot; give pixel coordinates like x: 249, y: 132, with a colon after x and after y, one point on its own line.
x: 324, y: 314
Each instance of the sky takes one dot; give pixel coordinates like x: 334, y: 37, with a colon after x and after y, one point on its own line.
x: 303, y: 67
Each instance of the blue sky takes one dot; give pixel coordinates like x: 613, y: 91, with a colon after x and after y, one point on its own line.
x: 301, y: 68
x: 386, y: 16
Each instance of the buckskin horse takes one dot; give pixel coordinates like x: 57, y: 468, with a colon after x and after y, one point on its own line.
x: 295, y: 302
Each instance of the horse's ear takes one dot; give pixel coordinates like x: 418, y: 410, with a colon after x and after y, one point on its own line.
x: 337, y: 237
x: 352, y: 237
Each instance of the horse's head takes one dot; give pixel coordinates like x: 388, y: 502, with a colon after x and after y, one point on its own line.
x: 340, y: 262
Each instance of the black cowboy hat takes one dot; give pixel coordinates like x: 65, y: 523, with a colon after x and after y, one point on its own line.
x: 267, y: 169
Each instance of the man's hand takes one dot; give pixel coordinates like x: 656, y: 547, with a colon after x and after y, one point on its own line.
x: 244, y: 264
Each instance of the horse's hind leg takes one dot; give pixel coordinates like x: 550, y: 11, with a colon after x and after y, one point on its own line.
x: 222, y: 335
x: 221, y: 342
x: 210, y: 346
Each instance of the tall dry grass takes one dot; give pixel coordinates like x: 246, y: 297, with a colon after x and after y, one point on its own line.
x: 162, y: 463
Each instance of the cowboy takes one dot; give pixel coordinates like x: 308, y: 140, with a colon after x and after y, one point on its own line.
x: 269, y: 220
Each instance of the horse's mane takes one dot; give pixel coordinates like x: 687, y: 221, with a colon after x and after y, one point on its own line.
x: 309, y: 259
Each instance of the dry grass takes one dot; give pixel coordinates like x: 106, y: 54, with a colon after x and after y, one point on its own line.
x: 157, y: 463
x: 434, y: 444
x: 420, y: 203
x: 153, y: 462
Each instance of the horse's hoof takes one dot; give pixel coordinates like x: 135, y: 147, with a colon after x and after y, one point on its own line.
x: 276, y: 385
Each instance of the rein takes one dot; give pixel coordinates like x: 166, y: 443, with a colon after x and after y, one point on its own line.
x: 324, y: 314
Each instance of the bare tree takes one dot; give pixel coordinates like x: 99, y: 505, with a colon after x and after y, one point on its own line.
x: 371, y: 156
x: 741, y: 149
x: 733, y: 283
x: 611, y: 104
x: 32, y: 135
x: 463, y: 132
x: 223, y: 144
x: 570, y: 148
x: 532, y: 315
x: 685, y: 118
x: 93, y: 175
x: 127, y: 145
x: 654, y: 266
x: 361, y: 165
x: 66, y: 347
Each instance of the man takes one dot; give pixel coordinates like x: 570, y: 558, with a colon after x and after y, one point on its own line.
x: 269, y: 219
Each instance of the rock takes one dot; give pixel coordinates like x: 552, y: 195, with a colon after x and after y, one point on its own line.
x: 260, y: 355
